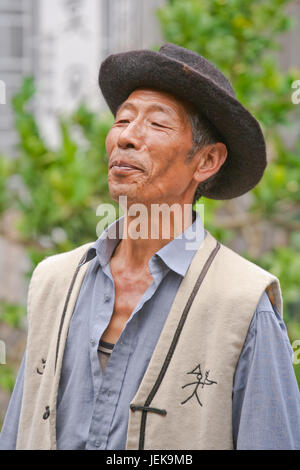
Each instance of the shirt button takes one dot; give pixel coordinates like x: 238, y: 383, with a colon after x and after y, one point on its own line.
x: 97, y: 444
x: 92, y: 341
x: 106, y: 298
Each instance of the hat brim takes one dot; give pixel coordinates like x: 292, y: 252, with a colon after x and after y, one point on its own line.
x: 120, y: 74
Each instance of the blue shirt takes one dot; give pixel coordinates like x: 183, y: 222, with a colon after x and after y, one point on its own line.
x: 93, y: 408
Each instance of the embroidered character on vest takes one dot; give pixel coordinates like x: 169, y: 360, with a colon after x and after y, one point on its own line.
x: 206, y: 381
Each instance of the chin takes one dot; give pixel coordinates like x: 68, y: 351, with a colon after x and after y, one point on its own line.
x: 116, y: 192
x: 133, y: 197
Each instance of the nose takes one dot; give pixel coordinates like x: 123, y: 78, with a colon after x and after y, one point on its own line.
x: 130, y: 136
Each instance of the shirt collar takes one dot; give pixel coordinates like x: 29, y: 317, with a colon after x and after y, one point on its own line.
x: 108, y: 240
x: 176, y: 255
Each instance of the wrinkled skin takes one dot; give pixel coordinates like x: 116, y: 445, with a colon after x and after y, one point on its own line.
x: 152, y: 131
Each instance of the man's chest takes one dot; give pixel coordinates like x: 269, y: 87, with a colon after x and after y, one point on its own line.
x: 129, y: 289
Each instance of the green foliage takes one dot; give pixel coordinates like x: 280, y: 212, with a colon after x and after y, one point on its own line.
x: 60, y: 187
x: 7, y: 378
x: 5, y: 172
x: 12, y: 314
x: 238, y: 37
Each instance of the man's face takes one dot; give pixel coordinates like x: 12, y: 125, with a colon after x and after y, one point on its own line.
x: 147, y: 148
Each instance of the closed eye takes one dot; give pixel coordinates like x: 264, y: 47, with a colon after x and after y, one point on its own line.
x: 123, y: 121
x: 157, y: 124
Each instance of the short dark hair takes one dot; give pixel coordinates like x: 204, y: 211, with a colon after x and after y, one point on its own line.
x: 204, y: 133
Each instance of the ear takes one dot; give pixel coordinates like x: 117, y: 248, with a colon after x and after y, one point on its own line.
x: 211, y: 158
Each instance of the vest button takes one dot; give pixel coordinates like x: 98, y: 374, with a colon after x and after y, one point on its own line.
x: 47, y: 413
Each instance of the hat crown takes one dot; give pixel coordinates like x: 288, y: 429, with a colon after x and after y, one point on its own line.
x: 198, y: 63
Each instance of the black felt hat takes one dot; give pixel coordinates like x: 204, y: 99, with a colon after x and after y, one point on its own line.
x: 190, y: 76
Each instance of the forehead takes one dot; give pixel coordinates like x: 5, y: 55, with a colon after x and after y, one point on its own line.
x: 149, y: 98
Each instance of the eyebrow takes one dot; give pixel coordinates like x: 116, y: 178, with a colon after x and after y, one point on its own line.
x: 152, y: 107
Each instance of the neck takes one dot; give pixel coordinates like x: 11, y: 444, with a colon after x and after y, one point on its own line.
x: 145, y: 234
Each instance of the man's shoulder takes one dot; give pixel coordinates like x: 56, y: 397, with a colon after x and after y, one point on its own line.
x: 235, y: 261
x: 61, y: 262
x: 236, y: 270
x: 51, y: 279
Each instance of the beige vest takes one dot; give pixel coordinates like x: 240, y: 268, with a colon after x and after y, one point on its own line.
x: 185, y: 398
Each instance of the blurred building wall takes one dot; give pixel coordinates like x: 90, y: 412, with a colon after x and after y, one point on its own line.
x: 17, y: 25
x: 67, y: 40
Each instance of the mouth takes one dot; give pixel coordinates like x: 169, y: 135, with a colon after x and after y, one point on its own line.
x: 122, y: 166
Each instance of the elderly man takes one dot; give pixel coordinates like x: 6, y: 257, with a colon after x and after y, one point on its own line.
x: 160, y: 342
